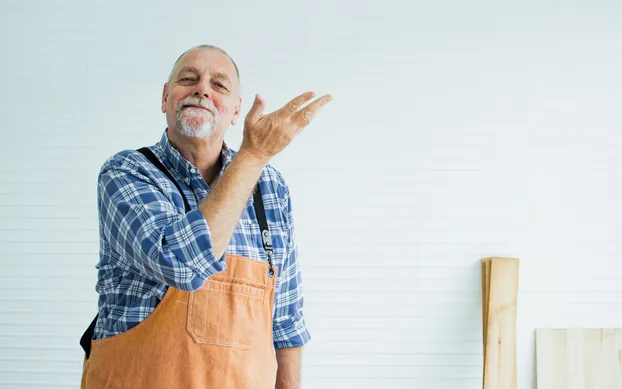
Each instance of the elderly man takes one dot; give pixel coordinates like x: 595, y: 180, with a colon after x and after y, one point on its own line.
x: 198, y: 278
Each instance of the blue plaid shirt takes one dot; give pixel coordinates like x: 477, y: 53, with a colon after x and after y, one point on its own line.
x: 148, y: 242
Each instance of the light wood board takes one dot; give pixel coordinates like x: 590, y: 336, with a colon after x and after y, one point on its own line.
x: 579, y: 358
x: 499, y: 293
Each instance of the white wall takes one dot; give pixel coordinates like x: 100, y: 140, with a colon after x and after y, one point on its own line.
x: 459, y: 130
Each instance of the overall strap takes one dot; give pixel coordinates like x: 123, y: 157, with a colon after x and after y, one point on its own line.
x: 266, y: 239
x: 156, y: 162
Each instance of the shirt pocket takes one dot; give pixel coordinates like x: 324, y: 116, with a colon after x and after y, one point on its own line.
x: 226, y: 313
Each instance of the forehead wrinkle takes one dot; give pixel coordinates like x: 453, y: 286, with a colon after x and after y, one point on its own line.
x: 187, y: 68
x: 218, y: 75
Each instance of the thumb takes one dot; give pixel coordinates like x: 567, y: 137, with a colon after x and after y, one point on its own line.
x: 256, y: 109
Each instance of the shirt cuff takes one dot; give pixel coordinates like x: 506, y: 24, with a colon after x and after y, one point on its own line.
x: 198, y: 252
x: 292, y: 332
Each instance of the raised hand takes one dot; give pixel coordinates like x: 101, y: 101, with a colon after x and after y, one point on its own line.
x: 267, y: 135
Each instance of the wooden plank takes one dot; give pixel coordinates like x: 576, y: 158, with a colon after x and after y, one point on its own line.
x: 485, y: 262
x: 500, y: 355
x: 576, y: 358
x: 484, y: 265
x: 611, y: 349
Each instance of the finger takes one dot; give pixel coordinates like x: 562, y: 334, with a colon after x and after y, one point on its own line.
x: 256, y: 110
x: 294, y: 105
x: 304, y: 116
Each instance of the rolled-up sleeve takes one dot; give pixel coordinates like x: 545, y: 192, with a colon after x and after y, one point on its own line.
x: 148, y: 232
x: 290, y: 329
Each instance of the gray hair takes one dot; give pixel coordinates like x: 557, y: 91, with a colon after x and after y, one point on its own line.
x: 237, y: 71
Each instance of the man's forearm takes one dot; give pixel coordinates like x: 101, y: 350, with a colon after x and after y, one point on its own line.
x: 288, y: 372
x: 264, y: 137
x: 222, y: 208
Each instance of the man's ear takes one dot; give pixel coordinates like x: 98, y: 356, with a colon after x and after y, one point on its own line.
x: 238, y: 110
x: 164, y: 97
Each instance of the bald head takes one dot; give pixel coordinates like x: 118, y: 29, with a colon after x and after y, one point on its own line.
x: 202, y: 47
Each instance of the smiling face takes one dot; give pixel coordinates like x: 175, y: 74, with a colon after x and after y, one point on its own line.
x: 202, y: 96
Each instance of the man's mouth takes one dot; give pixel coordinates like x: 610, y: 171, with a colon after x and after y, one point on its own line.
x: 196, y: 106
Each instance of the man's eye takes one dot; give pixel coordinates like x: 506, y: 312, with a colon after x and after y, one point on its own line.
x: 218, y: 84
x: 186, y: 79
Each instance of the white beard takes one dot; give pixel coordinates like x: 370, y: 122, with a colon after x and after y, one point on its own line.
x: 193, y: 123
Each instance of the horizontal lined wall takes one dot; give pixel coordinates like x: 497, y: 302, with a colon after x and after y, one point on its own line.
x: 458, y: 131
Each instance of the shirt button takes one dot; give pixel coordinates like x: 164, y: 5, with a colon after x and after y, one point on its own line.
x: 193, y: 170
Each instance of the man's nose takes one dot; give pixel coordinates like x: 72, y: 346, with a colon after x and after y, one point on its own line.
x: 203, y: 90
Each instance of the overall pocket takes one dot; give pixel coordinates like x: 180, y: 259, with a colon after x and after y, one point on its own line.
x: 226, y: 313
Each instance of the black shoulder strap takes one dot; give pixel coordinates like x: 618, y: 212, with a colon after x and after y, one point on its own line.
x: 85, y: 340
x: 154, y: 160
x: 266, y: 239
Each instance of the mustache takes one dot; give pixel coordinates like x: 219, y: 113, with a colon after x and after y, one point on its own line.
x: 197, y: 102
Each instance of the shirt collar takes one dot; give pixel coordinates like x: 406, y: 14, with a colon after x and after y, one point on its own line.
x: 180, y: 164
